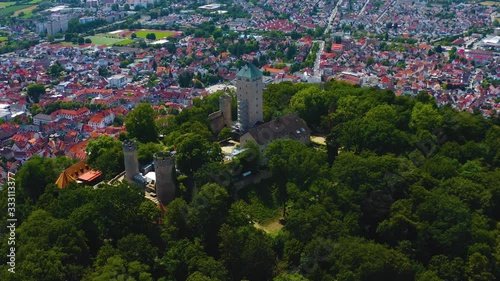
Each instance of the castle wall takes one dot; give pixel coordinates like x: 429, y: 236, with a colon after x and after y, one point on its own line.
x: 221, y: 118
x: 216, y: 122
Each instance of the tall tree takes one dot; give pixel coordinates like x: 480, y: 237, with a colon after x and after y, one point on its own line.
x: 311, y: 103
x: 184, y: 258
x: 137, y: 247
x: 140, y: 123
x: 34, y: 92
x: 37, y: 173
x: 353, y: 258
x: 55, y: 69
x: 194, y: 151
x: 207, y: 213
x: 251, y: 157
x: 292, y: 161
x: 117, y: 268
x: 105, y: 154
x: 247, y: 252
x: 146, y: 151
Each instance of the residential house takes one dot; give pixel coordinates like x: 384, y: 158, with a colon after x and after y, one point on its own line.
x: 41, y: 118
x: 102, y: 119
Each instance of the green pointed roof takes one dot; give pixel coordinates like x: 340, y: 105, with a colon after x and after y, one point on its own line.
x: 249, y: 71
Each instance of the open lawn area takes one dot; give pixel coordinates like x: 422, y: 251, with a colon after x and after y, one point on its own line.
x: 100, y: 40
x: 272, y: 227
x: 3, y: 38
x: 6, y: 4
x: 109, y: 35
x: 260, y: 203
x: 12, y: 9
x: 159, y: 34
x: 141, y: 33
x: 124, y: 42
x: 318, y: 140
x: 490, y: 3
x: 27, y: 11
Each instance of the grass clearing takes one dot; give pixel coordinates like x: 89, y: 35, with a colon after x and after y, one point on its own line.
x: 318, y: 140
x: 12, y: 9
x: 490, y: 3
x: 3, y: 38
x: 272, y: 227
x: 261, y: 212
x: 261, y: 203
x: 124, y: 42
x: 27, y: 11
x: 159, y: 34
x: 109, y: 35
x: 100, y: 40
x: 6, y: 4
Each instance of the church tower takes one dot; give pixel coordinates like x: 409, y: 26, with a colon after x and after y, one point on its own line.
x: 249, y: 95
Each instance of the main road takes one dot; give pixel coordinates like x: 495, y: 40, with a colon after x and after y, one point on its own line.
x: 386, y: 8
x: 317, y: 72
x: 332, y: 17
x: 360, y: 14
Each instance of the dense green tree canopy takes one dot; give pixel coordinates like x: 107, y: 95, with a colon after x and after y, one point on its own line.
x: 140, y: 123
x: 193, y: 151
x: 146, y: 151
x: 106, y: 155
x: 404, y: 189
x: 247, y: 252
x: 38, y: 173
x: 34, y: 91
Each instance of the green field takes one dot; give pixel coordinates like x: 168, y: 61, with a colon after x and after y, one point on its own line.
x: 159, y: 34
x: 109, y: 35
x: 490, y: 3
x: 260, y: 203
x: 3, y: 38
x: 6, y: 4
x: 124, y: 42
x: 27, y: 11
x: 12, y: 9
x: 99, y: 40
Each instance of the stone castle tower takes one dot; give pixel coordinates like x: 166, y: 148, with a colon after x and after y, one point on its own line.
x: 165, y: 175
x: 222, y: 118
x: 130, y: 159
x: 249, y: 95
x: 225, y: 108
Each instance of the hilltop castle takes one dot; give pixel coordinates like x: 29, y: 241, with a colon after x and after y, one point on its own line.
x: 249, y: 88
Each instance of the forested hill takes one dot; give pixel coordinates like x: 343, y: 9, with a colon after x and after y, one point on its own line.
x: 403, y: 190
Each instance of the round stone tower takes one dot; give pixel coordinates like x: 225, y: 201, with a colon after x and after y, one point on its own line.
x: 131, y: 160
x: 165, y: 173
x: 225, y: 108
